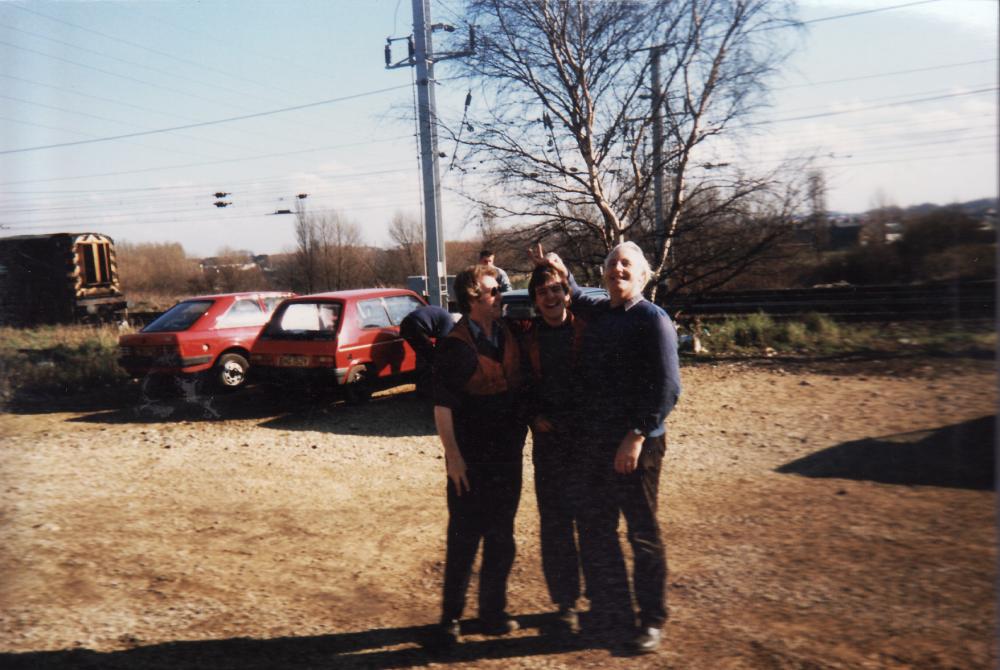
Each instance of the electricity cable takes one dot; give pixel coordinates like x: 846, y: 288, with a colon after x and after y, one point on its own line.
x: 209, y: 123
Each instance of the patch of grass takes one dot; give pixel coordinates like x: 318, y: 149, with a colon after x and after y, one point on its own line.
x: 58, y: 359
x: 819, y: 334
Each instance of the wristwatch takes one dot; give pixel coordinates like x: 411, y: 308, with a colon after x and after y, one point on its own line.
x: 637, y: 431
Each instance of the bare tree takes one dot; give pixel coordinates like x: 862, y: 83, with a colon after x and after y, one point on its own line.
x: 161, y: 270
x: 408, y: 235
x: 329, y: 254
x: 232, y: 270
x: 307, y: 251
x: 566, y: 123
x: 340, y: 262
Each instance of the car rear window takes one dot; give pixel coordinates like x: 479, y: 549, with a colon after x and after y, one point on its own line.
x: 243, y: 312
x: 372, y: 314
x: 179, y: 317
x: 304, y: 321
x: 401, y: 305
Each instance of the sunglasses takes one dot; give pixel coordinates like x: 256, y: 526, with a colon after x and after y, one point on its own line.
x: 495, y: 291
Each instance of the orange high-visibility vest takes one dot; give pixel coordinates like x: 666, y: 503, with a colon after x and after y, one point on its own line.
x: 491, y: 377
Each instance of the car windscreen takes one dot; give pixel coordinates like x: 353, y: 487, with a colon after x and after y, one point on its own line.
x: 179, y: 317
x: 304, y: 321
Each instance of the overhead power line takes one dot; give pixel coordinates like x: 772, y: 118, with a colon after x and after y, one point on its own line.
x: 201, y: 164
x: 215, y: 122
x: 912, y: 159
x: 200, y: 65
x: 159, y: 71
x: 885, y: 74
x: 871, y: 107
x: 876, y: 10
x: 200, y: 220
x: 248, y: 192
x: 116, y: 74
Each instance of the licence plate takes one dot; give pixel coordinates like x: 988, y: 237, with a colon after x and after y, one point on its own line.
x: 294, y: 361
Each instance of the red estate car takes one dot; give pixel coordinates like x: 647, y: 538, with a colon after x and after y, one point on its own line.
x: 348, y: 339
x: 208, y: 334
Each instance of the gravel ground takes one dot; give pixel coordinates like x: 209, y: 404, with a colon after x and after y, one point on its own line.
x: 820, y: 514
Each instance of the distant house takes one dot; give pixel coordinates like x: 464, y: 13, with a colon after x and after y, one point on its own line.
x: 845, y: 231
x: 893, y: 232
x: 988, y: 220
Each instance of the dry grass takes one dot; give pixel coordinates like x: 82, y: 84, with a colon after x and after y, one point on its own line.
x: 58, y: 359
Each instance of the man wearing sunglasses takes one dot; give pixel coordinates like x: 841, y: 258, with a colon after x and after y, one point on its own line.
x: 476, y: 381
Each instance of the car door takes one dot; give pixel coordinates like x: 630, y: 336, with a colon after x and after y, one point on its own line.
x: 398, y: 306
x: 379, y: 336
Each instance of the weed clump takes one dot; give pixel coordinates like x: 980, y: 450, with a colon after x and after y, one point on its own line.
x: 58, y: 359
x: 816, y: 333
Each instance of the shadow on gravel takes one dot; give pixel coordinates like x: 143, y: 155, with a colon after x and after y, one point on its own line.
x: 956, y: 456
x: 26, y: 401
x: 383, y: 648
x: 396, y: 415
x: 391, y: 415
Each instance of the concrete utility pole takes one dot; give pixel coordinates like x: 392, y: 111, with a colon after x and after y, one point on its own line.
x: 437, y: 282
x: 421, y: 54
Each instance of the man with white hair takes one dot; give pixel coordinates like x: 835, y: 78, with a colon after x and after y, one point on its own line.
x: 630, y: 381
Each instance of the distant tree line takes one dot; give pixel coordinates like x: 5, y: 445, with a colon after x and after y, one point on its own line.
x: 945, y: 243
x: 330, y: 255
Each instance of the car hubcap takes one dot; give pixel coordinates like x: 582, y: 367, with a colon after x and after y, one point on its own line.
x: 232, y: 374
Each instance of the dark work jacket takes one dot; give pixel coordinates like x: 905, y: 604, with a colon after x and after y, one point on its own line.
x: 550, y: 357
x: 480, y: 383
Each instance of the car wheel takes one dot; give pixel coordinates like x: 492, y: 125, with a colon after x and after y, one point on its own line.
x: 158, y: 387
x: 357, y: 387
x: 231, y: 371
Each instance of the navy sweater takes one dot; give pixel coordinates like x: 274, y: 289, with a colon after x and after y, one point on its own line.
x: 629, y: 370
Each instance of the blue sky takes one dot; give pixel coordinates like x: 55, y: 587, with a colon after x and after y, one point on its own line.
x: 914, y: 119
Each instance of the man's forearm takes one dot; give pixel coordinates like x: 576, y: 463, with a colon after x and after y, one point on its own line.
x: 445, y: 424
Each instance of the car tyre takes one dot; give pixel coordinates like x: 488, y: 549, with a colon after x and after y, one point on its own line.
x: 230, y: 371
x: 157, y: 386
x: 357, y: 387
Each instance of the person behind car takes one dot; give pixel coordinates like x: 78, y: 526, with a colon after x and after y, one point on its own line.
x: 628, y: 385
x: 486, y: 257
x: 421, y: 328
x: 550, y: 348
x: 476, y: 382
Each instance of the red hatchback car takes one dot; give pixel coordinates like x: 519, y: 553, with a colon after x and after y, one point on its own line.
x: 205, y: 335
x: 347, y: 339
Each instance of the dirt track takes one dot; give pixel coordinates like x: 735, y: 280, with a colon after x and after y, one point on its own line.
x: 817, y: 515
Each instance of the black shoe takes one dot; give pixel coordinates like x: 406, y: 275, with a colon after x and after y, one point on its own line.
x: 567, y: 622
x: 444, y: 637
x: 499, y: 625
x: 647, y: 641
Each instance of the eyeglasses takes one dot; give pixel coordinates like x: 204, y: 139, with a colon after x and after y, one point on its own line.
x: 495, y: 291
x: 551, y: 289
